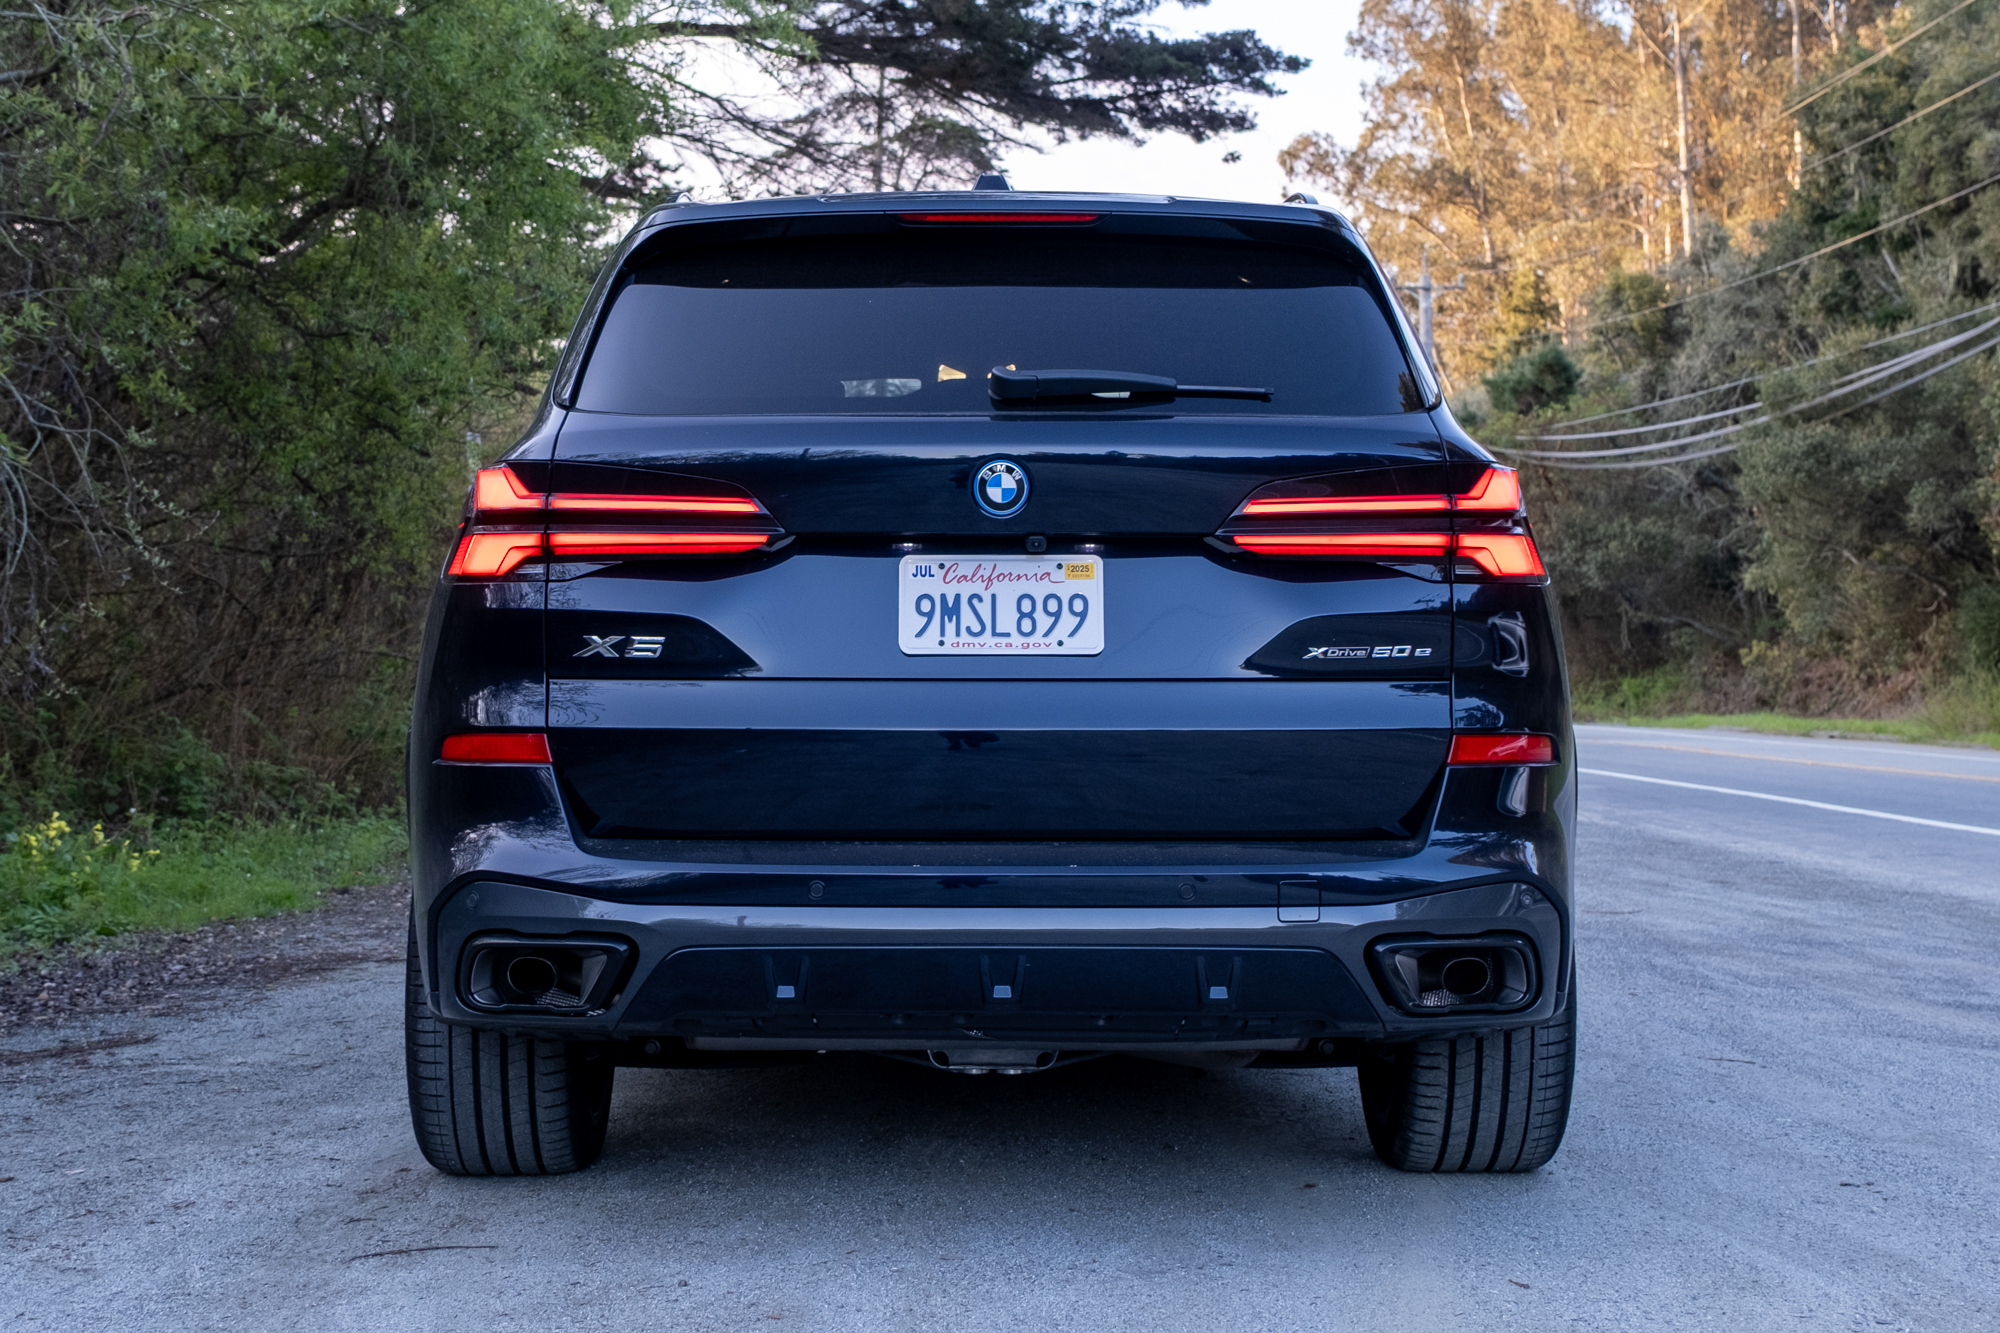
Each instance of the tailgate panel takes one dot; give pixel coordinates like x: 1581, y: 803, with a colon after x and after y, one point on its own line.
x: 999, y: 760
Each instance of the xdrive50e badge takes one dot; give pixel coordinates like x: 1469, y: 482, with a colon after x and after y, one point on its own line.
x: 1000, y: 488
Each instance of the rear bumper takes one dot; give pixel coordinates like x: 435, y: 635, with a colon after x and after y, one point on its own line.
x: 726, y: 976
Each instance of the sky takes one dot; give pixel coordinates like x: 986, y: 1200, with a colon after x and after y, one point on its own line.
x: 1326, y: 97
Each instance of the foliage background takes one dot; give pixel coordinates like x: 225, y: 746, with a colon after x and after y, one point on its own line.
x: 1840, y: 559
x: 275, y: 271
x: 280, y: 273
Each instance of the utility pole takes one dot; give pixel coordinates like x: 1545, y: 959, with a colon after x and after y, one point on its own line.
x: 1681, y: 125
x: 1425, y: 290
x: 1798, y: 136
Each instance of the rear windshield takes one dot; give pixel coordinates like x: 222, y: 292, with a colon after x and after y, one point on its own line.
x: 910, y: 318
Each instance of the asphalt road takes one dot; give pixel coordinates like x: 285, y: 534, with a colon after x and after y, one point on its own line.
x: 1787, y: 1115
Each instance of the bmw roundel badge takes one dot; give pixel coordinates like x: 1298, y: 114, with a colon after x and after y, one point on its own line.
x: 1000, y: 488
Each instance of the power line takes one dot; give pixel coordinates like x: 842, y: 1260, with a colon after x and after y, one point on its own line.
x: 1849, y: 383
x: 1794, y: 263
x: 1883, y: 54
x: 1644, y: 462
x: 1728, y: 448
x: 1657, y: 402
x: 1872, y: 374
x: 1748, y: 379
x: 1826, y: 158
x: 1658, y: 425
x: 1813, y: 165
x: 1819, y: 162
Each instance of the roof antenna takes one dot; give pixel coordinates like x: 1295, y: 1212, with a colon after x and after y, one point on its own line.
x: 991, y: 180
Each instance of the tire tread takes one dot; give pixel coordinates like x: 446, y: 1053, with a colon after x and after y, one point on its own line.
x: 499, y: 1103
x: 1490, y: 1102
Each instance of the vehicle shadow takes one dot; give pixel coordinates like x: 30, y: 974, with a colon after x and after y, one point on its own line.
x: 857, y: 1124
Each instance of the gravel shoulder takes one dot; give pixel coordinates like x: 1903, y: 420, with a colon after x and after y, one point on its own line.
x: 1788, y: 1105
x: 155, y: 974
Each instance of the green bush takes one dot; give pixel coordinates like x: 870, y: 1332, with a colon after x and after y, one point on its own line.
x: 1648, y: 694
x: 65, y: 882
x: 1545, y: 377
x: 1979, y: 627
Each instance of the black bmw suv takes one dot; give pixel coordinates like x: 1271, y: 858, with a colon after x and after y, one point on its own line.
x: 992, y: 629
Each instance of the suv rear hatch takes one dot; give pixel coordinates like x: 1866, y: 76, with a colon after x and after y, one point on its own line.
x: 813, y: 395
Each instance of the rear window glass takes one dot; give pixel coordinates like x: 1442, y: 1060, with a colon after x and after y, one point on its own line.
x: 912, y: 318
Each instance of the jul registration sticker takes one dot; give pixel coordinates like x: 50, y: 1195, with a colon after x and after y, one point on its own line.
x: 1034, y: 605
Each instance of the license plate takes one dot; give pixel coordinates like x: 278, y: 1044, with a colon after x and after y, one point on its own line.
x: 1041, y: 605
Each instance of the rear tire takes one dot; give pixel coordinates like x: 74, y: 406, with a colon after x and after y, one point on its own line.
x: 497, y: 1104
x: 1494, y: 1102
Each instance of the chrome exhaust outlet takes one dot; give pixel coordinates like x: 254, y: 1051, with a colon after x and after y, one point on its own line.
x: 991, y: 1060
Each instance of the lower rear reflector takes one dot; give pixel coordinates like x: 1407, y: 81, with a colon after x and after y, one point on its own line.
x: 496, y: 747
x: 1513, y: 750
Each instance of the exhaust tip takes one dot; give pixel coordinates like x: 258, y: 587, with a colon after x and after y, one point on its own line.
x: 980, y: 1060
x: 1491, y: 973
x: 513, y: 973
x: 531, y: 974
x: 1466, y: 977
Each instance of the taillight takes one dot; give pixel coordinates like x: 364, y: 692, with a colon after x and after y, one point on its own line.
x: 1359, y: 504
x: 495, y: 747
x: 625, y: 545
x: 1515, y: 750
x: 491, y: 554
x: 658, y: 504
x: 1482, y: 526
x: 1507, y: 555
x: 1372, y: 545
x: 1498, y: 491
x: 501, y: 490
x: 577, y: 526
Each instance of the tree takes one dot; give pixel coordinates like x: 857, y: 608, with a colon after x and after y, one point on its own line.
x: 915, y: 94
x: 1557, y: 137
x: 1846, y: 552
x: 271, y: 265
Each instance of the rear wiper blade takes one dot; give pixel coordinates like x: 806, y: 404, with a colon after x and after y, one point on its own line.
x: 1013, y: 386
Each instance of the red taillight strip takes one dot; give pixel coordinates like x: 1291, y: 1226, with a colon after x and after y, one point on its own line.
x: 499, y: 494
x: 499, y: 490
x: 1498, y: 490
x: 657, y: 504
x: 1359, y: 504
x: 1504, y: 554
x: 578, y: 544
x: 495, y: 747
x: 1386, y: 544
x: 1519, y: 750
x: 998, y: 217
x: 491, y: 554
x: 1497, y: 493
